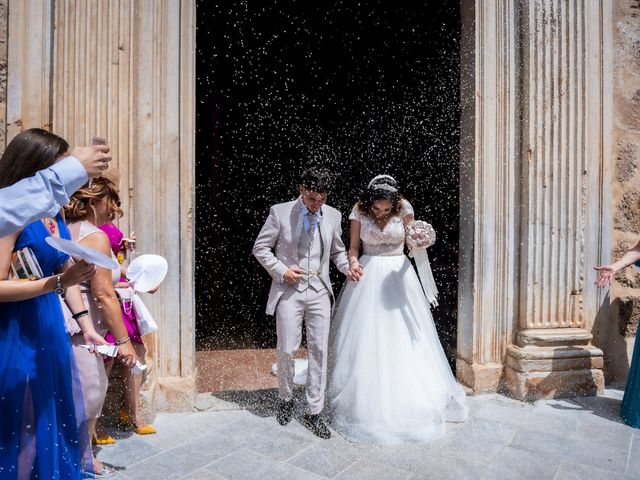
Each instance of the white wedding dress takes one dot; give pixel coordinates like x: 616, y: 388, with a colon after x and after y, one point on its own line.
x: 389, y: 380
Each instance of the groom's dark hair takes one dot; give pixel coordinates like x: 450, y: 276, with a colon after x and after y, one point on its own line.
x: 316, y: 179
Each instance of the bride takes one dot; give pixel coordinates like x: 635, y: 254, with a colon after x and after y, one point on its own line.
x: 389, y: 380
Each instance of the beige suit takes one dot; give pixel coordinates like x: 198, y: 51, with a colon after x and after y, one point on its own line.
x: 282, y: 243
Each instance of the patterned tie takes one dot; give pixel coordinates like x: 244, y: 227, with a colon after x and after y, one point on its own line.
x: 313, y: 220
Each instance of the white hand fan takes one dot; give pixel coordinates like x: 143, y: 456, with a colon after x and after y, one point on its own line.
x: 147, y: 272
x: 78, y: 250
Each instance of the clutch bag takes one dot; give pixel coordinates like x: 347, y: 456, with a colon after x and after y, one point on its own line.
x: 24, y: 265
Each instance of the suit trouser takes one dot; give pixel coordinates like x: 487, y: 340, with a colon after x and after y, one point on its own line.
x: 315, y: 308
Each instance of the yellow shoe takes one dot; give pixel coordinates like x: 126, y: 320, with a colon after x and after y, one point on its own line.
x: 105, y: 440
x: 146, y: 430
x: 125, y: 422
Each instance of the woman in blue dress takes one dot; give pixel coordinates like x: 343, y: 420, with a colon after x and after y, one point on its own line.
x: 40, y: 398
x: 630, y: 409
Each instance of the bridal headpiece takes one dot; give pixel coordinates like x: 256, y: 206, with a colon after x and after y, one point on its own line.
x: 383, y: 186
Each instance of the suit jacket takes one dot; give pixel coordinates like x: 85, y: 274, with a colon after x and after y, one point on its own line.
x: 276, y: 247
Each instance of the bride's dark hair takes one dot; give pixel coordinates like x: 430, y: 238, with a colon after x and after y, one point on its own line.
x: 384, y: 188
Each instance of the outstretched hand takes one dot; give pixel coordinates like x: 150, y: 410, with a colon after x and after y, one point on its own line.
x: 605, y: 275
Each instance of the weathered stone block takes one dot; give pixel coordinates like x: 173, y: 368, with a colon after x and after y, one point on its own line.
x: 633, y: 118
x: 532, y: 386
x: 3, y: 29
x: 629, y: 38
x: 627, y: 218
x: 627, y: 161
x: 629, y: 277
x: 175, y: 394
x: 620, y: 248
x: 629, y: 8
x: 554, y: 336
x: 479, y: 378
x: 535, y: 372
x: 555, y: 364
x: 628, y: 315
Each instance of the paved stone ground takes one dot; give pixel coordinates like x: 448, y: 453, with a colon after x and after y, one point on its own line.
x: 236, y: 437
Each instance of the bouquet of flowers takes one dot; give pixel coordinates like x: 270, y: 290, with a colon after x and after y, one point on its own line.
x: 420, y: 235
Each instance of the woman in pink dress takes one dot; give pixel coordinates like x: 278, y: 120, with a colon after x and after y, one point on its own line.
x: 131, y: 414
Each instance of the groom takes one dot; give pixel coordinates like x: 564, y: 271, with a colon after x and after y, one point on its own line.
x: 295, y: 246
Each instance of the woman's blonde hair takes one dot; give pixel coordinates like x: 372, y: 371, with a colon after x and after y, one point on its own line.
x: 78, y: 207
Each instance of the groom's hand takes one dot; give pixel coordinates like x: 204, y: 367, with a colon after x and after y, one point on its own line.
x: 293, y: 275
x: 355, y: 272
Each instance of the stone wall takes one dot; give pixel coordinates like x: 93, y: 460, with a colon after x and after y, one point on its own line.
x: 618, y: 329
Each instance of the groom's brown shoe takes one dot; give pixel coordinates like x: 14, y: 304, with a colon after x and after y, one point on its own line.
x: 285, y: 412
x: 317, y: 426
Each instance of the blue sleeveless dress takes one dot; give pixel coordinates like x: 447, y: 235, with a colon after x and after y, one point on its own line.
x: 40, y: 397
x: 630, y: 410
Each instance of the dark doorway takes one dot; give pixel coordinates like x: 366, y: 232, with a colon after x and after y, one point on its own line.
x: 363, y: 88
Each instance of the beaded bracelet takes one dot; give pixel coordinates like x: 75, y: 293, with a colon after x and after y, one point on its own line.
x: 123, y: 341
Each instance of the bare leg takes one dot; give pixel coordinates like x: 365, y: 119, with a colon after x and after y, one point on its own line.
x: 91, y: 427
x: 132, y: 389
x: 98, y: 430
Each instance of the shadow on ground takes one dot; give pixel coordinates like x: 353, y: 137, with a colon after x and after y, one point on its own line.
x: 262, y: 403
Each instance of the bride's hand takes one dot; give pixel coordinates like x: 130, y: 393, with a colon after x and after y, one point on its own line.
x: 355, y: 272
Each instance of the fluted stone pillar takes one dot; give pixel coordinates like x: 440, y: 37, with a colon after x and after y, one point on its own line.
x: 489, y: 189
x: 29, y: 65
x: 125, y: 70
x: 562, y: 166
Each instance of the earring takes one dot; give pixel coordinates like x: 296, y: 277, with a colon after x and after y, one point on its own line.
x: 95, y: 216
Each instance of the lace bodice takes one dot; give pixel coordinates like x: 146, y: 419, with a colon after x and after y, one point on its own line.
x: 388, y: 241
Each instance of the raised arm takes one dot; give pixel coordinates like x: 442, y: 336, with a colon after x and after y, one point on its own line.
x: 39, y: 196
x: 354, y: 241
x: 49, y: 190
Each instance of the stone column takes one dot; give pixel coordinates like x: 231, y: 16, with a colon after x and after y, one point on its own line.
x: 489, y: 191
x: 29, y: 64
x: 125, y: 70
x: 163, y: 166
x: 562, y: 209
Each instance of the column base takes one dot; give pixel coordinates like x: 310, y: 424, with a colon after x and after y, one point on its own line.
x: 534, y: 372
x: 481, y: 378
x: 175, y: 394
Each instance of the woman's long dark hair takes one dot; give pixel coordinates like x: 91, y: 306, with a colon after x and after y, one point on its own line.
x: 377, y: 191
x: 29, y: 152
